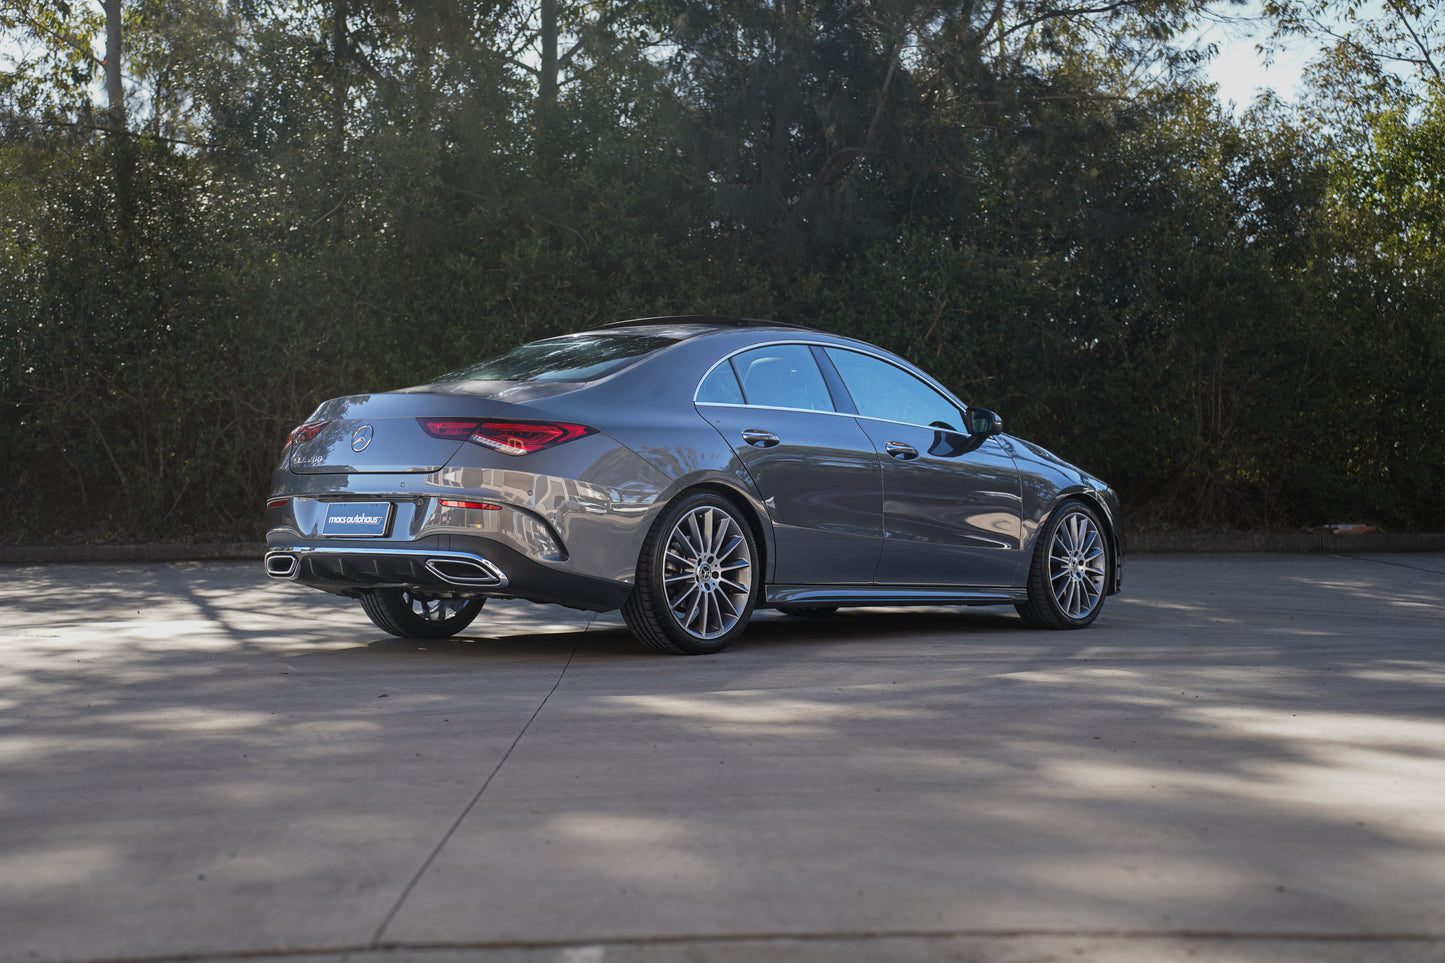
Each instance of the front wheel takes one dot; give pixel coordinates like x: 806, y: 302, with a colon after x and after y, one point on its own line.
x: 1070, y: 571
x: 696, y: 578
x: 411, y: 616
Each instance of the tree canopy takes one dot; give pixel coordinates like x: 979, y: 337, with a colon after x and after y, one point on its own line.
x: 216, y: 213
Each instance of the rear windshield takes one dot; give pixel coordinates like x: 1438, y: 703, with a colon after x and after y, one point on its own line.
x: 576, y: 357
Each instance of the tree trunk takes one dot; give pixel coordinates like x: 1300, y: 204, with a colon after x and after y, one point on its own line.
x: 547, y: 84
x: 339, y: 107
x: 340, y: 91
x: 120, y: 148
x: 114, y: 89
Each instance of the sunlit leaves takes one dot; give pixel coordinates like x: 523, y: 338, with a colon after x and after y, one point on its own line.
x: 1235, y: 320
x: 50, y: 53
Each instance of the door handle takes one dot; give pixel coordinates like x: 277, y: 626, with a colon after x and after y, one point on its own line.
x: 759, y: 438
x: 901, y: 451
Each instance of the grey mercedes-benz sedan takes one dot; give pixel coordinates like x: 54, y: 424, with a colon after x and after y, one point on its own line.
x: 688, y: 471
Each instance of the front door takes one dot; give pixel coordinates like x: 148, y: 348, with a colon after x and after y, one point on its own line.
x: 952, y: 501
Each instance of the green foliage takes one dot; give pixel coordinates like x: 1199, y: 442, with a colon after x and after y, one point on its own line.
x: 1236, y: 322
x: 47, y: 62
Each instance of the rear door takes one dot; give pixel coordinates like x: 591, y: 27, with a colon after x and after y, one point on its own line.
x: 816, y: 469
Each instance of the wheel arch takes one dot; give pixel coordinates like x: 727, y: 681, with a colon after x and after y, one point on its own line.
x: 648, y: 609
x: 1113, y: 537
x: 762, y: 532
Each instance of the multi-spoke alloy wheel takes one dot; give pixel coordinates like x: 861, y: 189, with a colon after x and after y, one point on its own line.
x: 1069, y: 576
x: 707, y: 573
x: 695, y: 580
x: 1076, y: 565
x: 411, y: 616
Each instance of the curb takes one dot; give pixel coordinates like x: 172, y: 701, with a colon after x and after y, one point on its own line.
x: 1138, y: 544
x: 1317, y: 542
x: 156, y: 552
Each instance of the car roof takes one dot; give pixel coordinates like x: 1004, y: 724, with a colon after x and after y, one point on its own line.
x: 703, y: 320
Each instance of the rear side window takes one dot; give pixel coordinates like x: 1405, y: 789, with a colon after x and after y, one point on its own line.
x: 720, y: 387
x: 580, y: 357
x: 782, y: 376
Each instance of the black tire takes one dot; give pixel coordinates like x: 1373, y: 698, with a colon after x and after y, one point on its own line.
x: 697, y: 578
x: 1069, y: 577
x: 410, y: 616
x: 809, y: 611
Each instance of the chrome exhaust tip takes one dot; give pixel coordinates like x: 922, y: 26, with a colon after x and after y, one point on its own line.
x: 282, y: 565
x: 465, y: 571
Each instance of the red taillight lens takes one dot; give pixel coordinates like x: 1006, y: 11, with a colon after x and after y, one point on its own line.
x: 448, y: 427
x: 305, y: 432
x: 508, y: 437
x: 525, y: 437
x: 278, y: 503
x: 484, y: 506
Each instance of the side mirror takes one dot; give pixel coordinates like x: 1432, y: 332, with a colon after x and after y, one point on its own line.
x: 981, y: 421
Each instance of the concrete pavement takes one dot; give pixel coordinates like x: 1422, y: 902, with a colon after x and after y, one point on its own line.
x: 1243, y: 760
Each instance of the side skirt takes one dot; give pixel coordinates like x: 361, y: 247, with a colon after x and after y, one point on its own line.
x: 844, y: 595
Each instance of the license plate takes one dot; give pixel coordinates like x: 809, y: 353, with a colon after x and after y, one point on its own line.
x: 357, y: 519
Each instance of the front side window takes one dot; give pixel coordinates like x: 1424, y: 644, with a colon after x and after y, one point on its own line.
x: 579, y: 357
x: 881, y: 390
x: 782, y: 376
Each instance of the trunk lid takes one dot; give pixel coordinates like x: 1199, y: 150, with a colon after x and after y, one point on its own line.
x: 384, y: 433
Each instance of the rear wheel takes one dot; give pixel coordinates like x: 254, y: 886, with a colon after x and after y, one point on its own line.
x: 696, y: 578
x: 411, y: 616
x: 1070, y: 571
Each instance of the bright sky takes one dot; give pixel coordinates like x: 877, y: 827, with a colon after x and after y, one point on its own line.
x: 1240, y: 71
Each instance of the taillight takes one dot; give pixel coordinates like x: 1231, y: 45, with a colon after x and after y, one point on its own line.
x: 305, y: 432
x: 508, y: 437
x: 525, y: 437
x: 448, y: 427
x: 481, y: 506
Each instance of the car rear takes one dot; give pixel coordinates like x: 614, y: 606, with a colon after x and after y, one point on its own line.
x: 469, y: 486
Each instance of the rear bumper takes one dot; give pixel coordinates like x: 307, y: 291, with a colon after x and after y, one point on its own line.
x: 449, y: 566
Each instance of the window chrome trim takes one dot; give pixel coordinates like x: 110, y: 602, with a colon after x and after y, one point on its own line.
x: 842, y: 414
x: 908, y: 424
x: 753, y: 347
x: 809, y: 411
x: 729, y: 357
x: 917, y: 373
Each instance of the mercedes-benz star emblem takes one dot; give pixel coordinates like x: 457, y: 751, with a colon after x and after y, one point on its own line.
x: 361, y: 438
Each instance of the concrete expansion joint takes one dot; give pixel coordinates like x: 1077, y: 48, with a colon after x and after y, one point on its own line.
x: 577, y: 950
x: 843, y: 936
x: 466, y: 810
